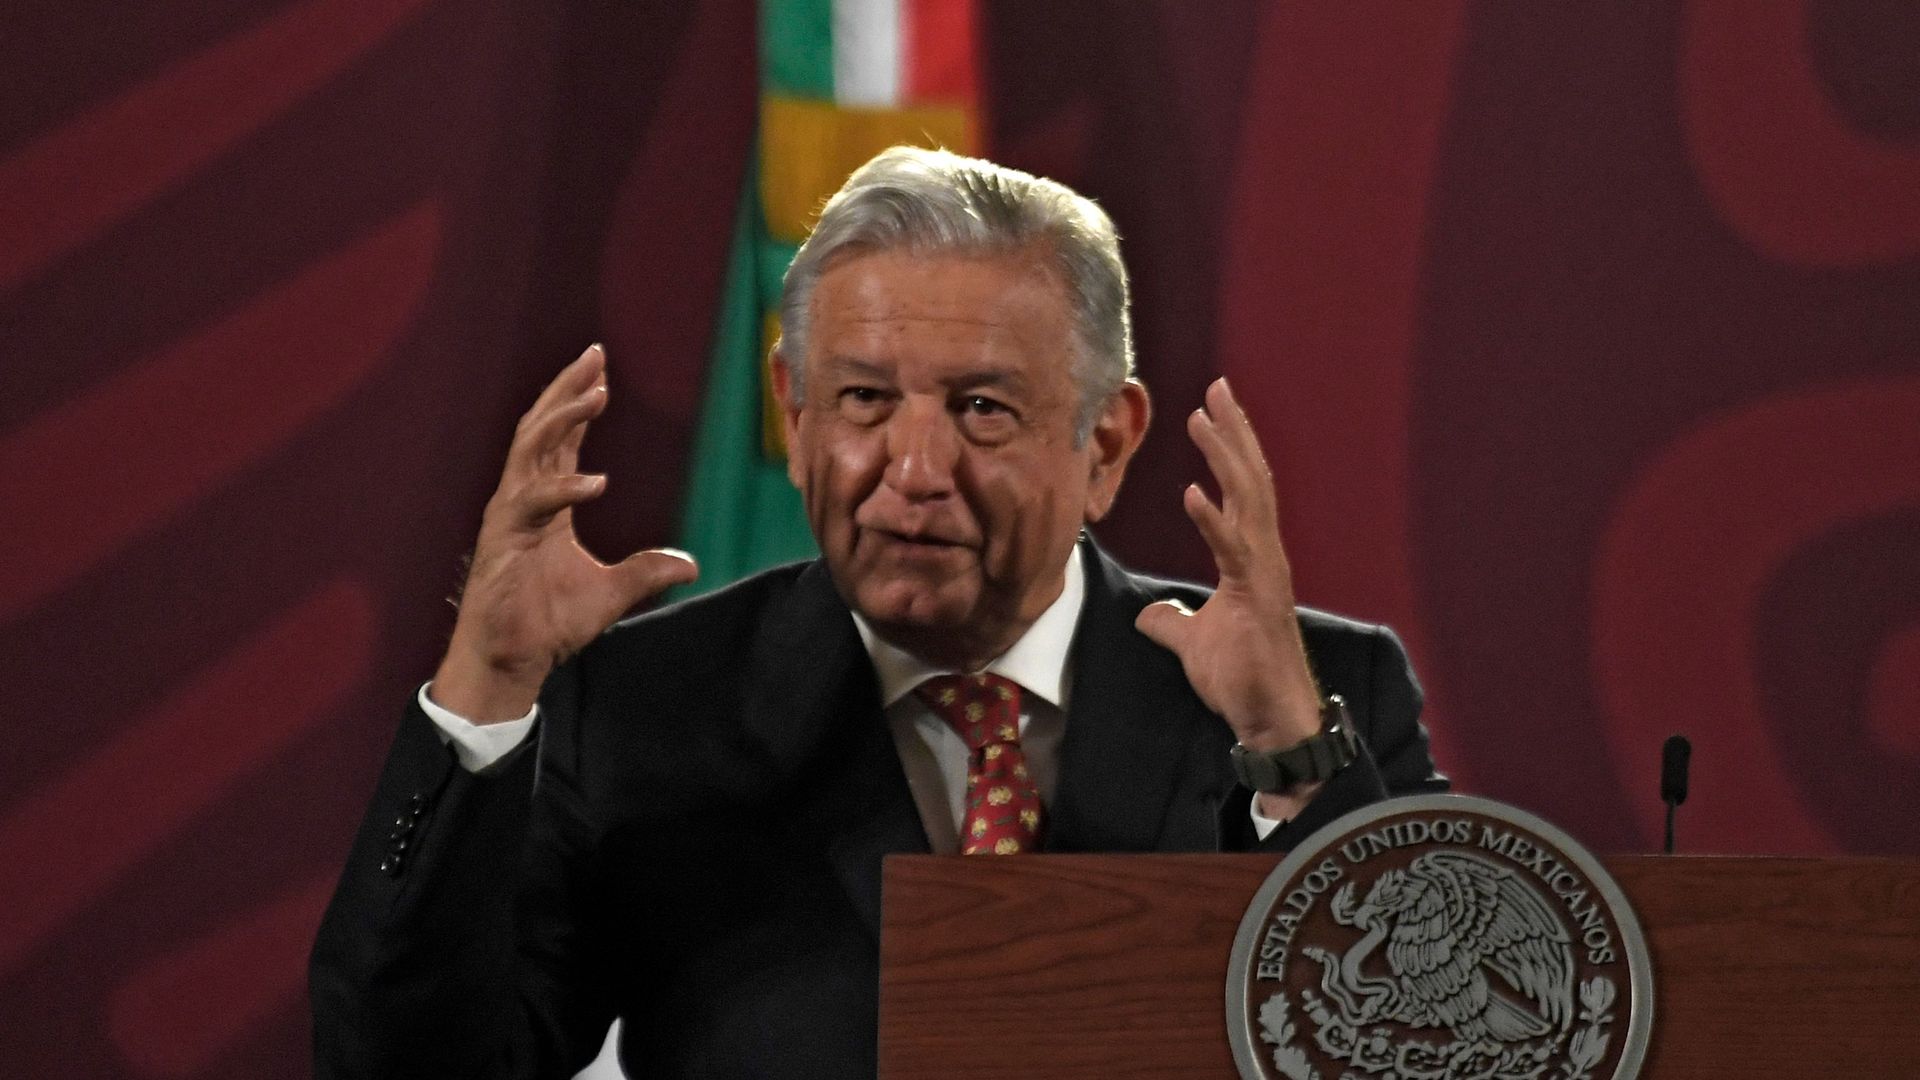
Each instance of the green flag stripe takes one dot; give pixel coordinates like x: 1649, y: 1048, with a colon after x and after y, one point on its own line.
x: 741, y: 513
x: 775, y: 256
x: 796, y: 48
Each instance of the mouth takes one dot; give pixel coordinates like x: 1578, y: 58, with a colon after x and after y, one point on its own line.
x: 915, y: 542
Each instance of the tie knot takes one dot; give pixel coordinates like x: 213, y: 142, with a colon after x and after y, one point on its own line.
x: 982, y: 709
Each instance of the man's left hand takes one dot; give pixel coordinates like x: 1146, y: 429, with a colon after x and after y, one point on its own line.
x: 1242, y: 650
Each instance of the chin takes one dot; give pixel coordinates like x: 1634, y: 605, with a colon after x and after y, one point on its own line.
x: 914, y: 604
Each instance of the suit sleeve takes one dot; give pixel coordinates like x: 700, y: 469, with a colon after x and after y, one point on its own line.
x: 1384, y: 699
x: 449, y: 948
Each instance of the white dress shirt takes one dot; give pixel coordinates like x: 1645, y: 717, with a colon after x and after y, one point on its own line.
x: 932, y: 754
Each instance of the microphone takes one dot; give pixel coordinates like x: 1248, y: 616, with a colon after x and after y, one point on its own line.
x: 1674, y: 757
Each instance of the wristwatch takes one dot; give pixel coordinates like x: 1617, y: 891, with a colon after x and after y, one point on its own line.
x: 1316, y: 758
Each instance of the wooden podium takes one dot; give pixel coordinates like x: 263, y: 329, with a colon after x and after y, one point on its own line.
x: 1115, y: 966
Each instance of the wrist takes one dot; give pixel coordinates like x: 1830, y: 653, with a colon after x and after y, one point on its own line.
x: 1291, y: 719
x: 483, y: 693
x: 1332, y: 747
x: 1282, y: 807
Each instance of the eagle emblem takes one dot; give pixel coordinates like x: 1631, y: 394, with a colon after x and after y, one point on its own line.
x: 1439, y: 937
x: 1447, y: 922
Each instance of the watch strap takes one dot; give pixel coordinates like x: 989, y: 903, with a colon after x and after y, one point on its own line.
x: 1317, y: 757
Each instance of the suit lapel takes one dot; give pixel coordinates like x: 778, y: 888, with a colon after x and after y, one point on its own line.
x: 1130, y: 726
x: 813, y: 718
x: 876, y: 820
x: 813, y: 710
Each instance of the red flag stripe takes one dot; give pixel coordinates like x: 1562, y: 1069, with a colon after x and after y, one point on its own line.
x: 941, y: 52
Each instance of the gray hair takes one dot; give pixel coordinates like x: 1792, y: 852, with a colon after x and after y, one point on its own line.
x: 937, y: 201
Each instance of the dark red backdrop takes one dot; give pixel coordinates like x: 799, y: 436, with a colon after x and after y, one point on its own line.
x: 1586, y: 343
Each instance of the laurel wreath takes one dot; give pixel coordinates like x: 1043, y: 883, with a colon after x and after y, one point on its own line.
x: 1589, y: 1044
x: 1414, y: 1060
x: 1276, y: 1028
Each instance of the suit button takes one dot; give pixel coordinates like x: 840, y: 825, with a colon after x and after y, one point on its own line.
x: 391, y: 865
x: 417, y: 805
x: 405, y: 823
x: 397, y: 842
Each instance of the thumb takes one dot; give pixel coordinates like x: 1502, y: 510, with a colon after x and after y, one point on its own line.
x: 1167, y: 623
x: 644, y: 574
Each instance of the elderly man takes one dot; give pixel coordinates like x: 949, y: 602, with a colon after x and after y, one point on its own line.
x: 680, y: 820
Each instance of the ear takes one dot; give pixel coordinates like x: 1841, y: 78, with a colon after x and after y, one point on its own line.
x: 1116, y: 434
x: 783, y: 387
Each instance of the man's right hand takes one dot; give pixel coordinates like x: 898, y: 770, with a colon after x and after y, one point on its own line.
x: 533, y: 595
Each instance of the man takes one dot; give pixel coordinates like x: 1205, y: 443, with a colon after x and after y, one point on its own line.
x: 680, y: 821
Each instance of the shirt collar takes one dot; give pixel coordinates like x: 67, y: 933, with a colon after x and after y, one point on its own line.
x: 1038, y: 661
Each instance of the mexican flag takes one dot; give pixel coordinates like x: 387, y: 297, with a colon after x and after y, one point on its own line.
x: 840, y: 80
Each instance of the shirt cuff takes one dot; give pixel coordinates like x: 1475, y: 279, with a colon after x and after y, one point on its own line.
x: 1263, y: 826
x: 478, y: 746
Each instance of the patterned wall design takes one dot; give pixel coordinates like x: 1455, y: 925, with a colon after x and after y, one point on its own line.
x: 1586, y: 344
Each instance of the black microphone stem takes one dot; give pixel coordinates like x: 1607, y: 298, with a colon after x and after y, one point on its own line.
x: 1675, y: 754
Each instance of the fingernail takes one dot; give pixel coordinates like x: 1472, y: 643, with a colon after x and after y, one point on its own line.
x: 676, y: 553
x: 597, y: 347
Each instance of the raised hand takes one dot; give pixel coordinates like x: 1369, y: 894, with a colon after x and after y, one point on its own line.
x: 534, y: 595
x: 1242, y: 650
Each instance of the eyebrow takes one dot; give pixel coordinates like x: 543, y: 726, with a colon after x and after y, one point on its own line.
x: 841, y: 362
x: 997, y: 378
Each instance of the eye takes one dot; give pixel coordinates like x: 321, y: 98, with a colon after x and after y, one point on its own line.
x: 985, y: 420
x: 864, y: 404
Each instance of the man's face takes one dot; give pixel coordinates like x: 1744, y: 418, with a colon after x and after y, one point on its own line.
x: 935, y: 445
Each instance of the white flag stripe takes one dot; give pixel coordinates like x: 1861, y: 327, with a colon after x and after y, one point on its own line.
x: 867, y: 53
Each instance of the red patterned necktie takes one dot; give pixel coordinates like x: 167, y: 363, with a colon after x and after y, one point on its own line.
x: 1003, y: 806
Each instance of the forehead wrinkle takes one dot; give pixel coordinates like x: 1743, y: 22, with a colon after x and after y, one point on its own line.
x: 856, y: 365
x: 873, y: 301
x: 875, y: 322
x: 991, y: 376
x: 970, y: 327
x: 988, y: 374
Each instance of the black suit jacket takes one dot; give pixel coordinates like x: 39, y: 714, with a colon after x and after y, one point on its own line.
x: 695, y: 841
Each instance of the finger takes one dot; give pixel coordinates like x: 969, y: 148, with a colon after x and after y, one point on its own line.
x: 564, y: 455
x: 536, y: 502
x: 585, y: 376
x: 1235, y: 424
x: 567, y: 454
x: 1236, y: 429
x: 1167, y: 623
x: 574, y: 379
x: 1230, y: 470
x: 1230, y: 548
x: 647, y: 573
x: 551, y: 444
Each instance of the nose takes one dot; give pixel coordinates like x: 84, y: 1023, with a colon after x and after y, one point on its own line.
x: 923, y: 449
